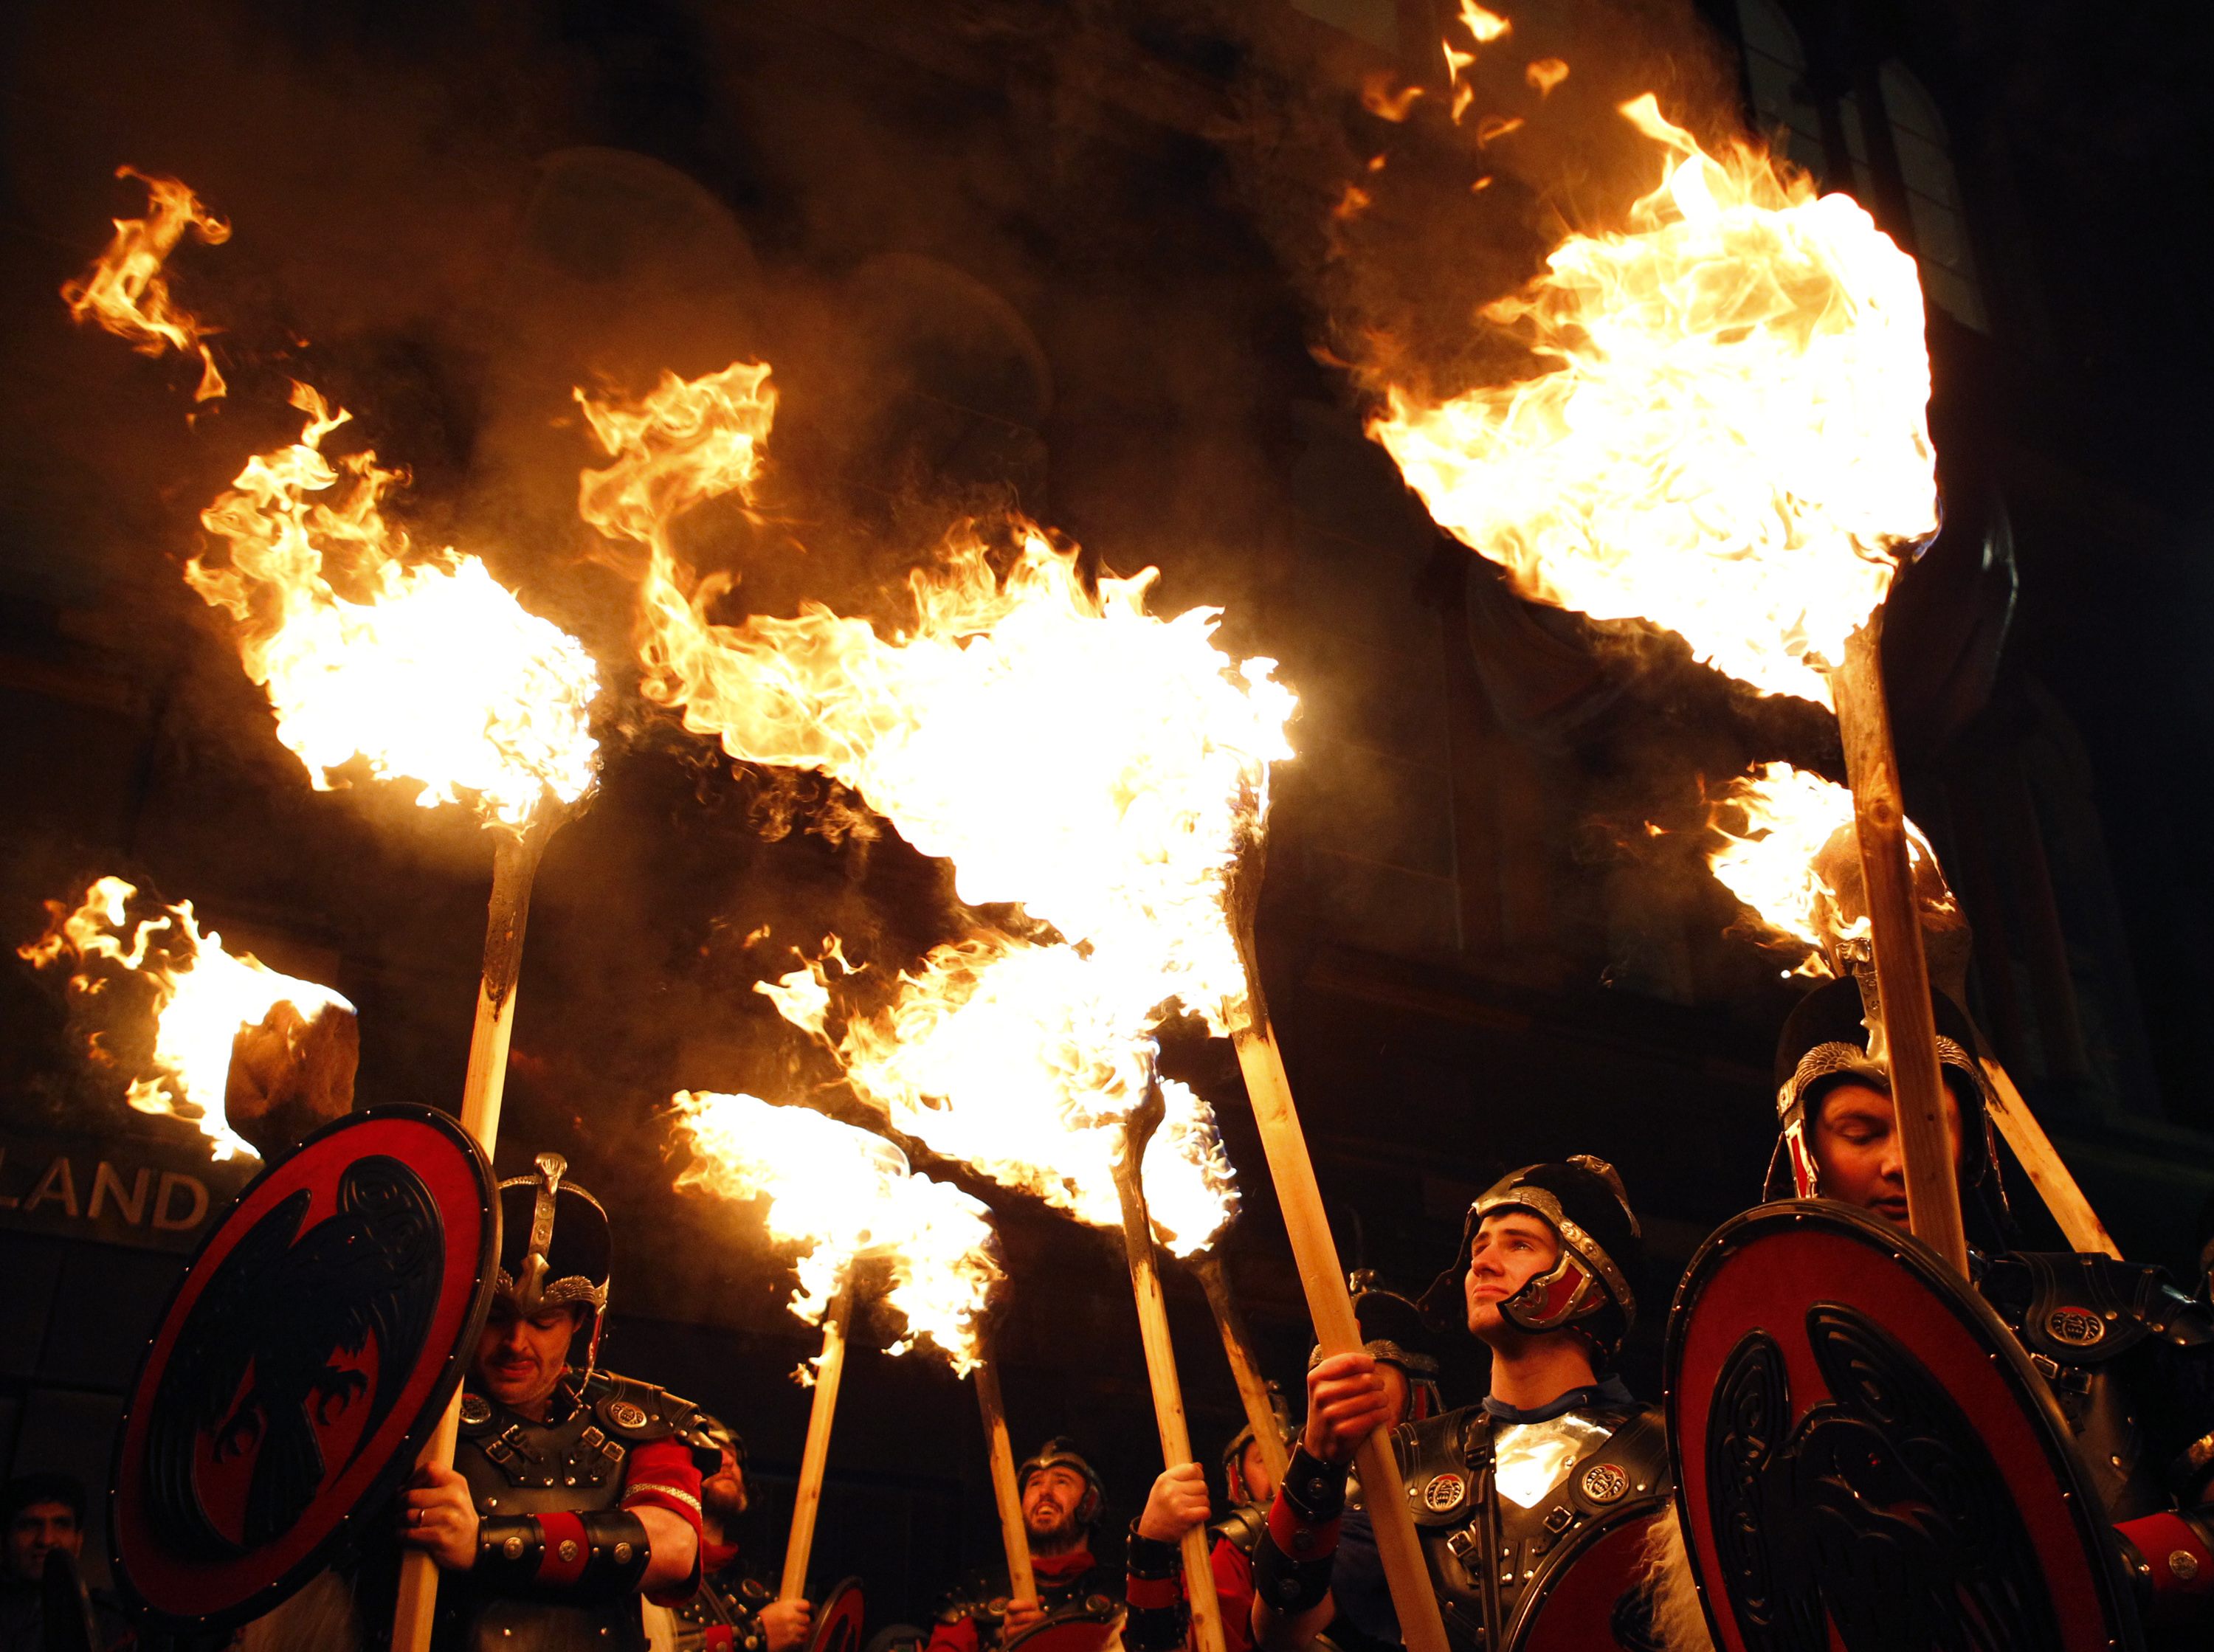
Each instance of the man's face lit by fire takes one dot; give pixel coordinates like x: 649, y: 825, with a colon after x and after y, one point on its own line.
x: 36, y: 1532
x: 1854, y: 1141
x: 1052, y: 1498
x: 723, y: 1494
x: 521, y: 1356
x: 1511, y: 1248
x: 1260, y: 1486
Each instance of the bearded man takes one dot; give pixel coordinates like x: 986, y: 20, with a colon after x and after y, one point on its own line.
x: 1061, y: 1495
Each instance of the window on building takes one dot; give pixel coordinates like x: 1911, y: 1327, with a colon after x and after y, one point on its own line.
x: 1776, y: 68
x: 1933, y: 197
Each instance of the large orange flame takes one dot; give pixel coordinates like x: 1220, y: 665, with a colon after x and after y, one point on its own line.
x: 848, y: 1197
x: 126, y: 290
x: 1797, y: 863
x: 203, y: 996
x: 1729, y: 439
x: 429, y: 672
x: 1069, y: 753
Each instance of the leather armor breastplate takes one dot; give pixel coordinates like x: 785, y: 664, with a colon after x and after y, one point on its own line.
x: 2086, y: 1321
x: 1500, y: 1507
x: 515, y: 1466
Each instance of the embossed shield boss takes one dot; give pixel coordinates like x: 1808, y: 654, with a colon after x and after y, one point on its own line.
x: 1862, y: 1450
x: 307, y: 1355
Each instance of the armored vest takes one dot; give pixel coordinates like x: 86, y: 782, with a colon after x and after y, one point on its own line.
x: 725, y: 1616
x: 984, y: 1598
x: 1506, y: 1510
x: 2130, y: 1358
x: 515, y: 1466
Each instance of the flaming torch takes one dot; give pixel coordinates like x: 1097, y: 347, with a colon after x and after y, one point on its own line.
x: 208, y: 1003
x: 1794, y: 868
x: 1729, y: 439
x: 423, y: 671
x: 848, y: 1197
x: 1100, y: 769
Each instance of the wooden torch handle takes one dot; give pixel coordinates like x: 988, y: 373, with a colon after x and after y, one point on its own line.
x: 1337, y: 1331
x: 514, y: 866
x: 1013, y: 1534
x: 2048, y: 1172
x: 1902, y: 975
x: 807, y: 1500
x: 1168, y: 1392
x: 1237, y: 1349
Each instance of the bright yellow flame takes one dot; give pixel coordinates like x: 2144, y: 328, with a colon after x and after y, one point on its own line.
x: 1015, y: 1058
x: 430, y: 674
x: 203, y: 997
x: 848, y: 1197
x: 126, y: 290
x: 1798, y: 846
x: 1068, y: 753
x: 1730, y: 439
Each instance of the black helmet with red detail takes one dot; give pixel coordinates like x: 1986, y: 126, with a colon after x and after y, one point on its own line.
x: 1592, y: 1287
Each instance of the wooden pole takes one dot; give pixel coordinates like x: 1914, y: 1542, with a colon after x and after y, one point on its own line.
x: 807, y: 1500
x: 1337, y: 1331
x: 1022, y: 1578
x: 1908, y: 1030
x: 1252, y: 1387
x: 1160, y: 1362
x: 515, y: 858
x: 2048, y: 1172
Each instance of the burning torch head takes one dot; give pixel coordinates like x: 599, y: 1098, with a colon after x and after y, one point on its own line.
x: 1061, y: 1452
x: 1589, y: 1288
x: 1830, y: 1039
x: 555, y: 1249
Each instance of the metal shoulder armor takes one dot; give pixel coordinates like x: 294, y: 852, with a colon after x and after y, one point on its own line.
x: 1242, y: 1527
x: 1434, y: 1463
x: 2085, y: 1310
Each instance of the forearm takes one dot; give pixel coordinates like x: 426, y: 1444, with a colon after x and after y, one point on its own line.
x: 1292, y: 1562
x: 675, y: 1547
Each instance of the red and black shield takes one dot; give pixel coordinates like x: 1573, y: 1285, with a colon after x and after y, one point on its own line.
x: 838, y: 1620
x: 1865, y: 1458
x: 1592, y: 1597
x: 308, y: 1353
x: 1087, y: 1626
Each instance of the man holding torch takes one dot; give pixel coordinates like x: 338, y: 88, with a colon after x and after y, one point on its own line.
x: 2129, y: 1358
x: 1502, y: 1491
x: 1061, y: 1493
x: 573, y: 1491
x: 733, y: 1612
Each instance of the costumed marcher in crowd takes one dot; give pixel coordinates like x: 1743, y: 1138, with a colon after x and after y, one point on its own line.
x: 2129, y: 1357
x: 733, y: 1612
x: 1393, y: 1333
x: 1498, y: 1490
x: 574, y: 1491
x: 45, y: 1516
x: 1061, y: 1494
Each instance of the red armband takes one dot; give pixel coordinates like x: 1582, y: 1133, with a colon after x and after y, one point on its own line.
x: 2174, y: 1564
x: 663, y: 1475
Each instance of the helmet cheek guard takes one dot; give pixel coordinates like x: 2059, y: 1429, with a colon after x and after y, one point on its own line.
x: 1564, y: 1293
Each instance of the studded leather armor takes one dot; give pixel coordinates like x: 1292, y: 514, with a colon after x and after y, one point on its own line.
x: 982, y: 1601
x: 577, y: 1460
x: 1504, y: 1510
x: 725, y: 1616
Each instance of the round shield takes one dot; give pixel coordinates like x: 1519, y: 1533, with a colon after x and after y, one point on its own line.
x: 1591, y: 1598
x: 1865, y: 1458
x: 308, y: 1353
x: 1087, y: 1625
x: 838, y: 1619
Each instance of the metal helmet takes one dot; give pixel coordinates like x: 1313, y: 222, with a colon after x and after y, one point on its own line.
x: 1589, y: 1288
x: 1394, y: 1333
x: 1233, y: 1453
x: 1830, y: 1038
x: 555, y: 1249
x: 1061, y: 1452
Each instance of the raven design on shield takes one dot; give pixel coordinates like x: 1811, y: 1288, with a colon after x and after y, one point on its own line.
x: 254, y: 1369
